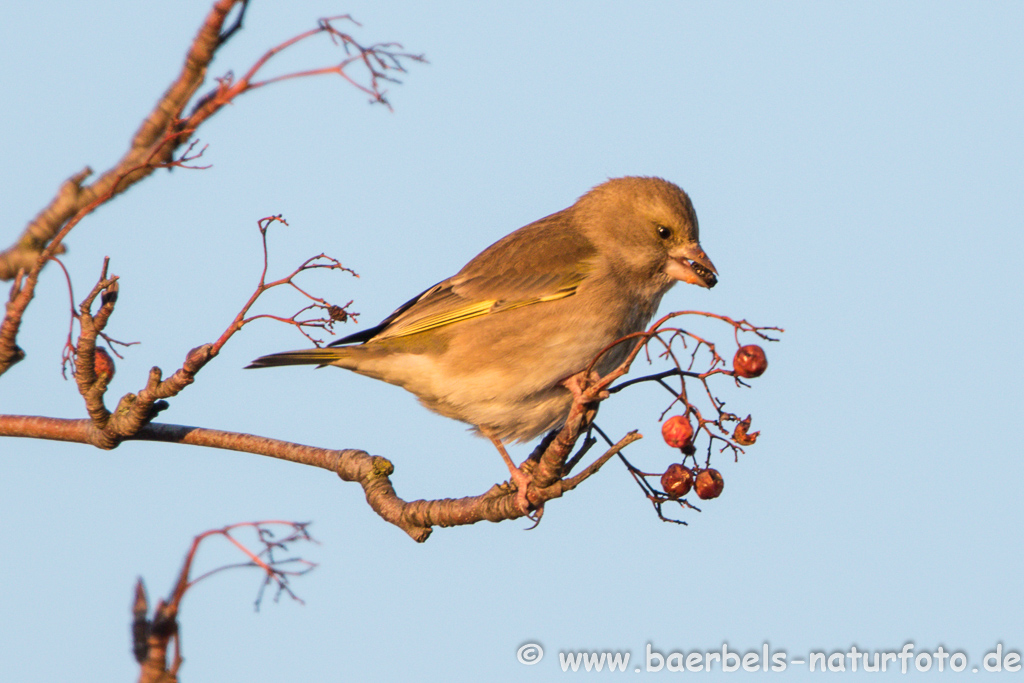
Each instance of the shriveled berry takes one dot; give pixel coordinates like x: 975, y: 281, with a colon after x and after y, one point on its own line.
x: 104, y: 364
x: 742, y: 434
x: 677, y: 481
x: 677, y: 431
x: 337, y: 313
x: 749, y: 361
x: 709, y: 484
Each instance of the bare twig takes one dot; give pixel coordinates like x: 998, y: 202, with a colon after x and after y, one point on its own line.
x: 153, y: 637
x: 157, y: 142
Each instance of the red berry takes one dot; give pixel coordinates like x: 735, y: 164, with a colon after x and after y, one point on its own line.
x: 677, y: 432
x: 709, y: 484
x: 104, y: 364
x: 749, y: 361
x: 677, y: 481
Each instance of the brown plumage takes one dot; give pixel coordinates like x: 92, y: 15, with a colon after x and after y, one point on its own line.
x: 491, y: 345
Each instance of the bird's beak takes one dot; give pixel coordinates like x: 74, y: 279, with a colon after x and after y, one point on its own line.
x: 690, y: 264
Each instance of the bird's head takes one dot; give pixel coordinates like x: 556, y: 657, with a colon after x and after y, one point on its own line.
x: 648, y: 229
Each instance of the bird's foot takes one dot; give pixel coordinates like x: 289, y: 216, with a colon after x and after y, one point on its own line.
x: 580, y: 383
x: 521, y: 480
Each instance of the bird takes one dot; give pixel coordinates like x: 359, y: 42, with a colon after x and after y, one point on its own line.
x: 497, y: 344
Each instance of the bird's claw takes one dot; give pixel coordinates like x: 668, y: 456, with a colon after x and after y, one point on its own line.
x: 520, y: 480
x: 535, y: 516
x: 580, y: 383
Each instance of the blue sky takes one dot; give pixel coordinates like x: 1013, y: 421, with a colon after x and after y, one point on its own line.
x: 857, y: 169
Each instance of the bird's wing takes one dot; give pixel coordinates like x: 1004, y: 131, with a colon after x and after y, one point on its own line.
x: 545, y: 261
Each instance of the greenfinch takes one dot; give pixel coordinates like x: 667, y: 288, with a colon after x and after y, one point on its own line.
x: 494, y: 345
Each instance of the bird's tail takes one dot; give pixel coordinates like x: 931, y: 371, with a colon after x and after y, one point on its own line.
x: 320, y: 357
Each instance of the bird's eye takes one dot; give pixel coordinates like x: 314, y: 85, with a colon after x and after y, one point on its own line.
x: 663, y: 232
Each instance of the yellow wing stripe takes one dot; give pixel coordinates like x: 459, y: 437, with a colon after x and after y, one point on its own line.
x: 569, y: 291
x: 473, y: 310
x: 432, y: 322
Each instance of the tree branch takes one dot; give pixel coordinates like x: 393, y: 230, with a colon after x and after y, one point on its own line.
x: 157, y: 141
x: 152, y: 145
x: 371, y: 472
